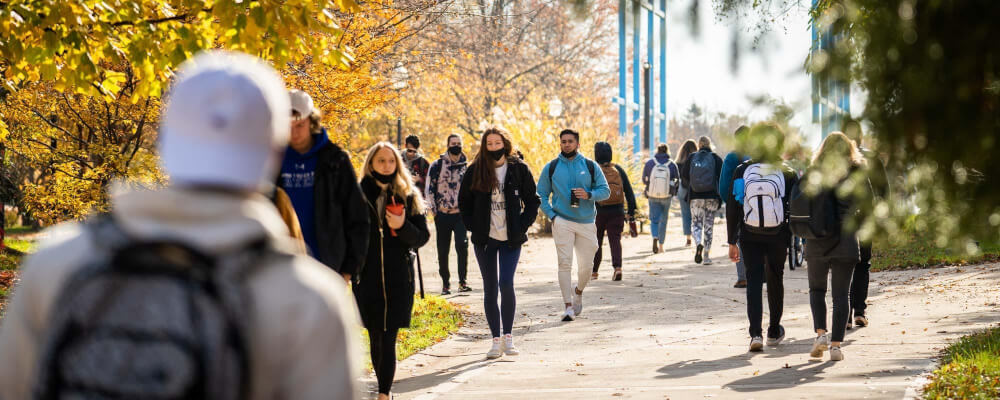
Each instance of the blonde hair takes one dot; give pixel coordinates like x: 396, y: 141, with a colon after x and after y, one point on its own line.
x: 705, y: 142
x: 402, y: 185
x: 837, y: 144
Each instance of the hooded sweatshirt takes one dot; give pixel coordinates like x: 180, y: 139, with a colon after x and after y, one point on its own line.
x: 298, y: 173
x: 303, y: 327
x: 571, y: 174
x: 659, y: 158
x: 603, y: 154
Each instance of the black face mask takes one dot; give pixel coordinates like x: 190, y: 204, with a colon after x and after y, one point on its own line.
x: 570, y: 154
x: 385, y: 179
x: 496, y: 154
x: 455, y: 150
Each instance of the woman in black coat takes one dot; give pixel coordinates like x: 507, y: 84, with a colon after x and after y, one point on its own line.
x: 498, y: 203
x: 384, y: 288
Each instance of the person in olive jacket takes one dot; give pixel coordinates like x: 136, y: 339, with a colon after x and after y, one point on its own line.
x: 384, y: 287
x: 498, y: 203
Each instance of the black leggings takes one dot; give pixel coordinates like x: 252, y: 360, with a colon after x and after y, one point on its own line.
x: 859, y: 284
x: 383, y: 349
x: 765, y: 261
x: 841, y: 273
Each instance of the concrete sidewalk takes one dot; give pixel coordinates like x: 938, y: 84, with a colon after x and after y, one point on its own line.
x: 675, y: 329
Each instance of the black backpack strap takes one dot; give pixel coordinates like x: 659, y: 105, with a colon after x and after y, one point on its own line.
x: 591, y: 166
x: 552, y: 169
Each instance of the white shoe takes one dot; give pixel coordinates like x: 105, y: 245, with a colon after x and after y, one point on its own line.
x: 820, y: 344
x: 836, y: 354
x: 577, y: 302
x: 757, y: 344
x: 508, y: 346
x: 706, y: 261
x: 569, y: 315
x: 776, y: 341
x: 495, y: 351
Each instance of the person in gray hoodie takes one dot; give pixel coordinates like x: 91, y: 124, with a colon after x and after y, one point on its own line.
x: 443, y: 183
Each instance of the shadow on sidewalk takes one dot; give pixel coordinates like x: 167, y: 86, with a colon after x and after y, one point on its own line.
x: 794, y: 375
x: 689, y: 368
x: 417, y: 383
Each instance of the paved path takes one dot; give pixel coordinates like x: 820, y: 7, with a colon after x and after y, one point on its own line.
x: 674, y: 329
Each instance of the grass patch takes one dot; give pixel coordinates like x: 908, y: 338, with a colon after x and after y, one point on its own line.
x: 24, y: 246
x: 434, y: 318
x: 917, y: 250
x: 20, y: 230
x: 970, y: 369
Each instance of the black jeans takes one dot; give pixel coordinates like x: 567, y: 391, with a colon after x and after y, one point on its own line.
x: 613, y: 224
x: 383, y: 351
x: 859, y: 284
x: 765, y: 261
x: 446, y: 225
x: 841, y: 273
x: 497, y: 263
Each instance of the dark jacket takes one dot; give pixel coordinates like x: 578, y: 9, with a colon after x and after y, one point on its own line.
x: 686, y: 178
x: 522, y: 204
x: 735, y: 213
x: 843, y: 249
x: 384, y: 288
x: 418, y: 170
x: 659, y: 158
x: 341, y: 222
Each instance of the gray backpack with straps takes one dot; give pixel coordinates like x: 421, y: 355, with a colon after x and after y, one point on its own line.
x: 151, y: 320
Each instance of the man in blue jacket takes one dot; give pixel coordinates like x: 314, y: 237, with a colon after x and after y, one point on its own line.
x: 733, y: 160
x: 575, y: 185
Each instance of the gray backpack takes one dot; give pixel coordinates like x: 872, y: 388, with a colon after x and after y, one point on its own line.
x: 151, y: 320
x: 703, y: 173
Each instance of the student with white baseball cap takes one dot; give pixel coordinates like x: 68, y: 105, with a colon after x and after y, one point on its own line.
x: 225, y: 123
x: 320, y: 180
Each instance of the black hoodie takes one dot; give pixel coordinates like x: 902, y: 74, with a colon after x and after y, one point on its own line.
x: 603, y: 155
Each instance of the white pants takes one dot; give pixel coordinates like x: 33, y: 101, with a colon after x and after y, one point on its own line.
x: 582, y: 238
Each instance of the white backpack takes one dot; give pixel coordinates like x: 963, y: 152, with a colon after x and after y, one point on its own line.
x: 659, y: 182
x: 763, y: 199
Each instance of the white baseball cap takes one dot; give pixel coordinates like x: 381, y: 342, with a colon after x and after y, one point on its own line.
x: 302, y: 103
x: 226, y: 122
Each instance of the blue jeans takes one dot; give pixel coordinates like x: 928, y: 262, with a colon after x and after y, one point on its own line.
x: 685, y: 211
x: 497, y: 263
x: 659, y: 210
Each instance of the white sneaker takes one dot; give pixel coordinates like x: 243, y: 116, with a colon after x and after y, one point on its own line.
x: 777, y: 340
x: 569, y: 315
x: 757, y: 344
x: 706, y: 261
x: 508, y: 346
x: 820, y: 344
x: 577, y: 302
x: 836, y: 354
x: 495, y: 351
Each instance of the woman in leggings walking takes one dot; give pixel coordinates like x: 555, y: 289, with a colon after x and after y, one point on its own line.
x: 498, y: 203
x: 837, y: 255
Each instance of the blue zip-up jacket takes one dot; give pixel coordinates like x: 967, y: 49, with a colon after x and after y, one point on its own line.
x: 572, y: 174
x: 732, y: 161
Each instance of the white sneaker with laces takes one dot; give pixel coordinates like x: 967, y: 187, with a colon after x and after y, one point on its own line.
x: 820, y: 344
x: 577, y: 302
x: 757, y: 344
x: 508, y: 346
x: 836, y: 354
x: 495, y: 351
x: 569, y: 315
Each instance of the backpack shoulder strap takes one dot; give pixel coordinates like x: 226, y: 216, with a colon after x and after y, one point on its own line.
x: 591, y: 167
x: 552, y: 168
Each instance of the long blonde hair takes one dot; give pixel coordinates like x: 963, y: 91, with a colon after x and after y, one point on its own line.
x: 402, y: 185
x: 837, y: 144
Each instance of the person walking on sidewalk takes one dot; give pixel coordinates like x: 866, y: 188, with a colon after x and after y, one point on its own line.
x: 758, y: 233
x: 415, y: 161
x: 729, y: 164
x: 683, y: 154
x: 574, y: 184
x: 611, y: 212
x: 498, y: 203
x: 443, y: 182
x: 319, y: 178
x: 662, y: 178
x: 384, y: 288
x: 153, y: 300
x: 701, y: 171
x: 879, y: 180
x: 832, y: 247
